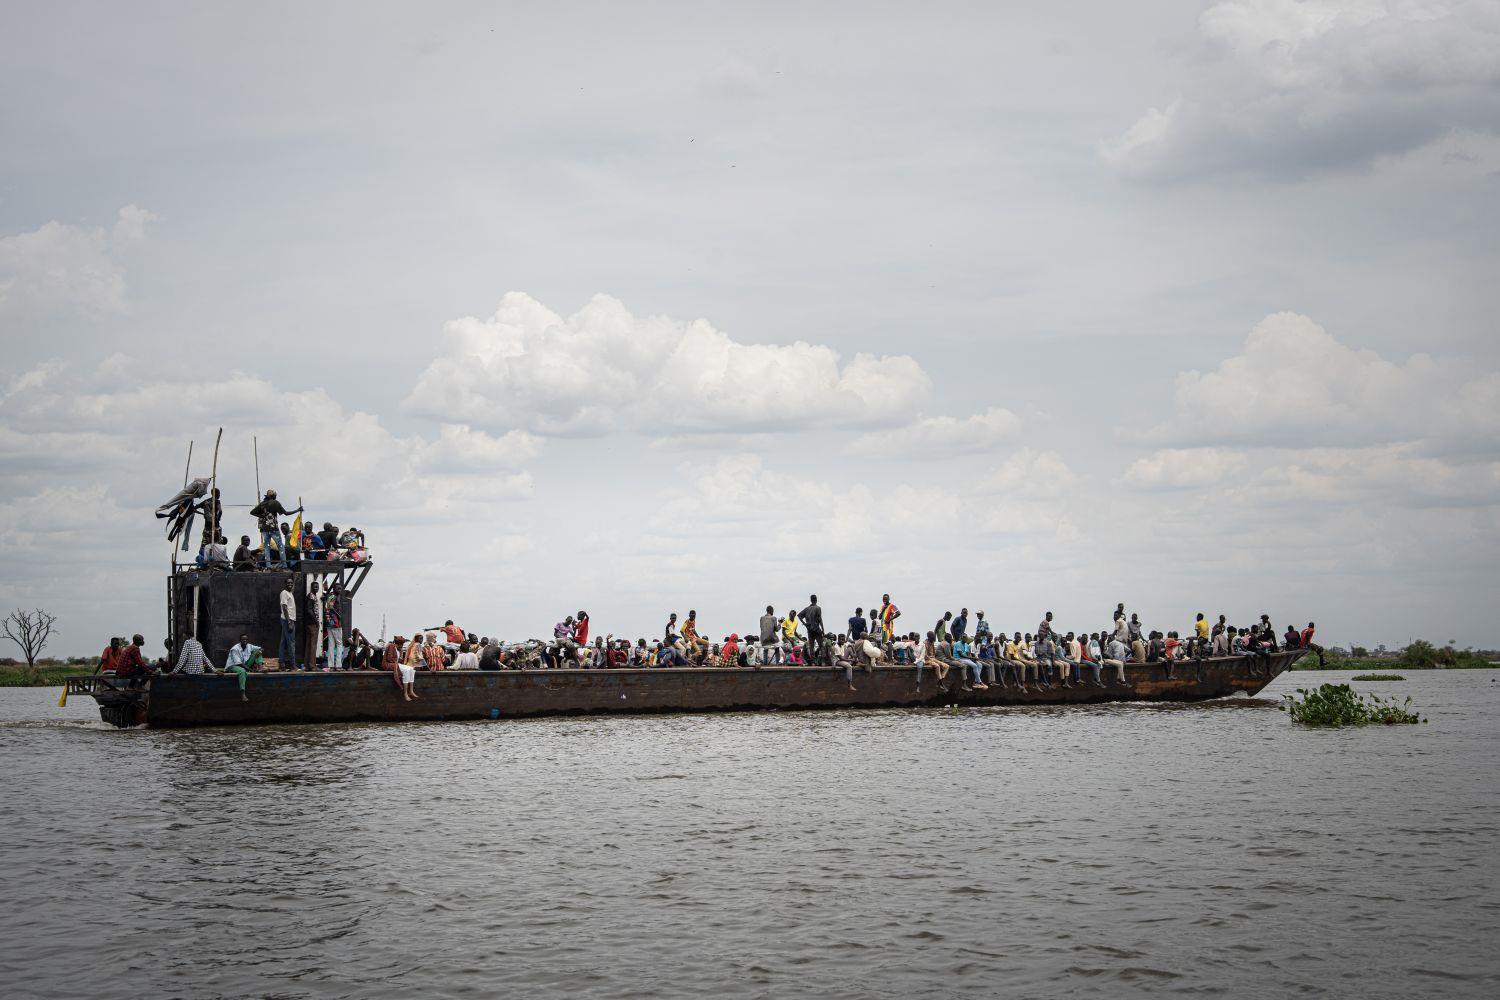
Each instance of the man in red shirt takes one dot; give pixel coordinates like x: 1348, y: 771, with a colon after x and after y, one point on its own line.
x: 1307, y: 642
x: 111, y: 655
x: 131, y: 664
x: 581, y: 629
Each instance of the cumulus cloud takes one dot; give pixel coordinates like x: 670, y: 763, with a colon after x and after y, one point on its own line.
x: 1289, y: 87
x: 603, y: 369
x: 110, y: 421
x: 1030, y: 474
x: 61, y: 266
x: 1185, y: 468
x: 940, y: 437
x: 1295, y: 385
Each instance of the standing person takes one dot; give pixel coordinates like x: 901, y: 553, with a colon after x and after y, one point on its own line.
x: 267, y: 516
x: 857, y: 625
x: 581, y: 629
x: 982, y: 629
x: 940, y: 630
x: 242, y: 658
x: 961, y: 625
x: 888, y: 615
x: 770, y: 637
x: 812, y: 617
x: 669, y: 634
x: 312, y: 626
x: 333, y: 626
x: 286, y: 652
x: 877, y: 631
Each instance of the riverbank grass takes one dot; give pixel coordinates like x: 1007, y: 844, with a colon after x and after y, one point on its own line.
x: 41, y: 675
x: 1337, y: 705
x: 1378, y: 677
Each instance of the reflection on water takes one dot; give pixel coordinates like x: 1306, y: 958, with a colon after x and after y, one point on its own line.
x: 1091, y: 851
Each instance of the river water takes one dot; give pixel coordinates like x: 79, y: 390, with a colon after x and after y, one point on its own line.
x: 1105, y: 851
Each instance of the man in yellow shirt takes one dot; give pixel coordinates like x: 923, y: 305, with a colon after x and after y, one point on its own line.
x: 1200, y: 634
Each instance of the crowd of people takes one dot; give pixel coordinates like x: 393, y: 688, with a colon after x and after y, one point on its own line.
x: 975, y: 654
x: 283, y: 544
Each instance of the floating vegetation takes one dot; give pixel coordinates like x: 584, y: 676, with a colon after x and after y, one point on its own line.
x: 1378, y: 677
x: 1339, y: 705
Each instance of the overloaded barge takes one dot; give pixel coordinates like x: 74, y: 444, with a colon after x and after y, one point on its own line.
x: 218, y: 607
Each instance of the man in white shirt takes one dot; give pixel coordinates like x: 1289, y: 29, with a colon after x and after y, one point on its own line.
x: 242, y: 657
x: 287, y: 651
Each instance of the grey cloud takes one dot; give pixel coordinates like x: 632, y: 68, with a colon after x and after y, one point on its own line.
x: 1285, y: 89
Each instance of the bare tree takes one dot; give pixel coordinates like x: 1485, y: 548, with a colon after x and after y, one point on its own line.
x: 30, y: 630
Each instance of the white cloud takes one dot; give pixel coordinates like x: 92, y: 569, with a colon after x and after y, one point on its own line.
x: 736, y: 77
x: 1185, y: 468
x: 603, y: 369
x: 940, y: 437
x: 1030, y: 475
x: 60, y: 266
x: 1295, y: 385
x: 112, y: 421
x: 1288, y: 87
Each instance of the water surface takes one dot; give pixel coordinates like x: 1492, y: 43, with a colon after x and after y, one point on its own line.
x: 1094, y: 851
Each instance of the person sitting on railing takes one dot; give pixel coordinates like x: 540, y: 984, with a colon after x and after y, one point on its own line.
x: 1118, y: 654
x: 242, y: 658
x: 191, y: 660
x: 1220, y: 642
x: 131, y: 663
x: 432, y: 652
x: 213, y: 555
x: 244, y: 558
x: 1308, y: 644
x: 110, y: 656
x: 963, y: 657
x: 928, y: 657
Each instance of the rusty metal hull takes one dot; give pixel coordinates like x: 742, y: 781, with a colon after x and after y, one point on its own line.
x: 372, y: 696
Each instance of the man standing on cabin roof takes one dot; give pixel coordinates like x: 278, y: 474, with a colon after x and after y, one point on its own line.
x: 267, y: 514
x: 812, y: 617
x: 888, y: 615
x: 960, y: 628
x: 286, y: 652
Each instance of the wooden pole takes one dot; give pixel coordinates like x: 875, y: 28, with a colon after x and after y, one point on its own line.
x: 213, y: 486
x: 255, y: 443
x: 188, y: 467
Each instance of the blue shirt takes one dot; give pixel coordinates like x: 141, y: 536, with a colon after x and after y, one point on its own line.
x: 857, y: 627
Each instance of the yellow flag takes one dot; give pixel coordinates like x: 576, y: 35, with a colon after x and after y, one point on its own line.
x: 296, y: 541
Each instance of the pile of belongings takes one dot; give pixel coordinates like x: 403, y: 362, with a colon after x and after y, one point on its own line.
x: 179, y: 511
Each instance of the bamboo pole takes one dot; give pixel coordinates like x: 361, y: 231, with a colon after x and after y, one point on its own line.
x: 255, y: 443
x: 213, y: 486
x: 188, y: 467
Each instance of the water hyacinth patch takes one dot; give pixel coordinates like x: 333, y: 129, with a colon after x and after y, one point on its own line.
x: 1339, y: 705
x: 1378, y: 677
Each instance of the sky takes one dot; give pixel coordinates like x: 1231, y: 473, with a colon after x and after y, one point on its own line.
x: 649, y: 307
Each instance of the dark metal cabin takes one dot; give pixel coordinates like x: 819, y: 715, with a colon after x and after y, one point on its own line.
x: 218, y: 606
